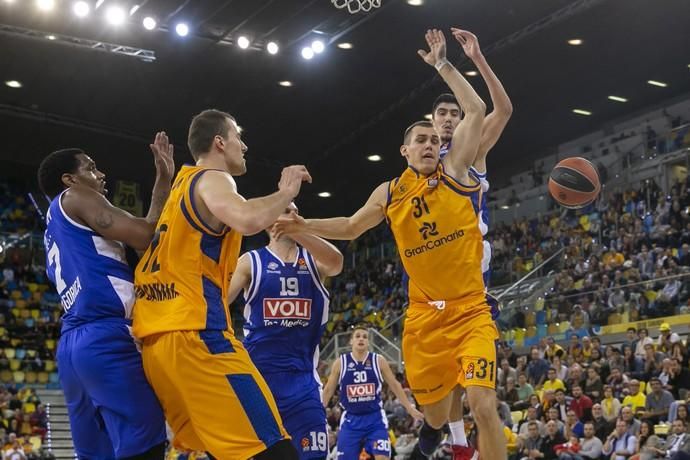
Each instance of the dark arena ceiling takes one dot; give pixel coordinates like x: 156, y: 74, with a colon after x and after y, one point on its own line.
x: 344, y: 104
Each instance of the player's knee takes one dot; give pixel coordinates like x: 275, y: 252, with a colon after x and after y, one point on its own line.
x: 435, y: 420
x: 282, y: 450
x: 482, y: 404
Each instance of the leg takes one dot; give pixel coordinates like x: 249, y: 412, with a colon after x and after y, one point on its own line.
x: 377, y: 442
x: 350, y: 438
x: 492, y: 443
x: 456, y: 421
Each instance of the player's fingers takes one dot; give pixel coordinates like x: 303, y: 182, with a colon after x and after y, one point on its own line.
x: 422, y: 53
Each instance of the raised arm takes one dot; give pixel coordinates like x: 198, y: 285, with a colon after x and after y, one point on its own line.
x: 333, y: 378
x: 496, y: 121
x: 218, y: 192
x: 241, y: 278
x: 328, y: 258
x: 467, y: 135
x: 340, y: 228
x: 397, y: 389
x: 165, y: 170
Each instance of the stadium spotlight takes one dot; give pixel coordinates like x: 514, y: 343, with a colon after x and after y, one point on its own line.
x: 317, y: 46
x: 345, y: 46
x: 149, y: 23
x: 13, y: 84
x: 182, y: 29
x: 415, y: 2
x: 307, y: 53
x: 51, y: 37
x: 115, y: 15
x: 285, y: 83
x: 272, y: 48
x: 81, y: 9
x: 8, y: 1
x: 324, y: 194
x: 575, y: 42
x: 582, y: 112
x: 374, y: 158
x: 471, y: 73
x: 243, y: 42
x: 134, y: 9
x: 45, y: 5
x: 660, y: 84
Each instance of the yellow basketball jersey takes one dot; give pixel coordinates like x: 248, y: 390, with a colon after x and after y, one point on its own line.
x: 181, y: 282
x: 434, y: 221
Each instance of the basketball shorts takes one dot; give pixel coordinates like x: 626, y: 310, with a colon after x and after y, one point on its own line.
x: 446, y: 344
x: 113, y: 411
x: 298, y: 396
x: 213, y: 396
x: 368, y: 431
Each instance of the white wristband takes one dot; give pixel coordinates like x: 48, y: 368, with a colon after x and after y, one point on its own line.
x: 439, y: 65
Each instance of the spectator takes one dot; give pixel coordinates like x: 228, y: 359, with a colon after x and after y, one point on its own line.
x: 573, y: 426
x: 524, y: 390
x: 530, y: 445
x: 647, y: 443
x: 552, y: 415
x: 657, y: 403
x: 666, y: 338
x: 677, y: 445
x: 617, y: 381
x: 15, y: 450
x: 643, y: 339
x: 679, y: 382
x: 610, y: 405
x: 553, y: 383
x: 593, y: 385
x: 636, y: 400
x: 630, y: 338
x: 504, y: 373
x: 620, y: 444
x: 553, y: 437
x: 633, y: 424
x: 553, y: 349
x: 531, y: 417
x: 537, y: 369
x: 561, y: 369
x: 581, y: 404
x: 602, y: 427
x: 561, y: 404
x: 591, y: 446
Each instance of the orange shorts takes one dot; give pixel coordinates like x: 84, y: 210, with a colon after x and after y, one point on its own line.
x: 448, y: 345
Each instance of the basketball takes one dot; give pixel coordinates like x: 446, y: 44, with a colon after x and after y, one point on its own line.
x: 574, y: 183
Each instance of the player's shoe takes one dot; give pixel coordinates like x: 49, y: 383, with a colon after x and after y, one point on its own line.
x: 465, y: 453
x: 429, y: 439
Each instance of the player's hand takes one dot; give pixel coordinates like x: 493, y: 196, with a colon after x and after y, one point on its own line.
x: 291, y: 179
x: 469, y: 42
x: 163, y: 158
x: 415, y: 413
x: 437, y: 47
x: 288, y: 225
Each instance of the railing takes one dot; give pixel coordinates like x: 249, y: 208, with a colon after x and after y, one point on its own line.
x: 340, y: 343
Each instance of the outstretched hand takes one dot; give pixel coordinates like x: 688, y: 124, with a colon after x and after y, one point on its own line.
x: 163, y: 157
x: 437, y: 47
x: 469, y: 42
x: 291, y: 179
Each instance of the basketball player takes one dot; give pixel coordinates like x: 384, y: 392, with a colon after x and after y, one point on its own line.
x: 449, y: 337
x: 97, y: 356
x: 286, y: 312
x: 445, y: 117
x: 214, y: 398
x: 360, y: 376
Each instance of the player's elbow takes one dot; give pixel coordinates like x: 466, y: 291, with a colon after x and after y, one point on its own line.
x: 141, y: 235
x: 335, y: 265
x: 476, y: 106
x: 248, y: 227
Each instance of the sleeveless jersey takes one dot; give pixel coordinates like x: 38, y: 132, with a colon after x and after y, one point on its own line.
x: 286, y: 311
x: 89, y: 272
x: 181, y: 282
x: 360, y: 384
x: 434, y: 220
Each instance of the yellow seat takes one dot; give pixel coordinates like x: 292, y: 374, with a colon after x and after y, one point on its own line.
x: 36, y: 442
x: 35, y: 314
x: 16, y: 294
x: 20, y: 304
x: 552, y: 329
x: 520, y: 334
x: 29, y: 408
x: 516, y: 416
x: 9, y: 353
x: 49, y: 366
x: 15, y: 342
x: 563, y: 326
x: 15, y: 312
x: 614, y: 318
x: 31, y: 353
x: 530, y: 319
x: 15, y: 364
x: 43, y: 377
x: 50, y: 344
x: 24, y: 314
x: 33, y: 287
x: 661, y: 429
x: 6, y: 376
x: 531, y: 332
x: 18, y: 376
x: 31, y: 377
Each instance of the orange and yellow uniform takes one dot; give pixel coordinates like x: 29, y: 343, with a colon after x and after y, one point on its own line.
x: 449, y: 336
x: 214, y: 398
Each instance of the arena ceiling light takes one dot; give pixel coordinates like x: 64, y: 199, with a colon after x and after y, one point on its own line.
x: 582, y: 112
x: 324, y: 194
x: 307, y: 53
x: 374, y: 158
x: 51, y: 37
x: 45, y: 5
x: 81, y: 9
x: 272, y: 48
x: 617, y: 99
x: 427, y: 116
x: 471, y: 73
x: 285, y: 83
x: 243, y: 42
x: 505, y: 206
x: 149, y: 23
x: 575, y: 42
x: 317, y: 46
x: 115, y: 15
x: 134, y: 9
x: 13, y: 84
x: 182, y: 29
x: 415, y: 2
x: 345, y: 46
x: 660, y: 84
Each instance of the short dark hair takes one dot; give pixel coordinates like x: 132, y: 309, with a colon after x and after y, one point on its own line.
x: 559, y: 390
x: 551, y: 369
x: 654, y: 379
x: 445, y: 98
x: 52, y: 168
x: 361, y: 327
x: 408, y: 131
x: 204, y: 127
x: 631, y: 329
x: 577, y: 385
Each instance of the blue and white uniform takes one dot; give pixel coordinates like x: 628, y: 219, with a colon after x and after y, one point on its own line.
x: 112, y: 409
x: 286, y: 312
x: 363, y: 423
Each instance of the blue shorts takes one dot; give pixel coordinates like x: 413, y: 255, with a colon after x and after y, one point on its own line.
x: 368, y: 431
x: 112, y: 409
x: 298, y: 396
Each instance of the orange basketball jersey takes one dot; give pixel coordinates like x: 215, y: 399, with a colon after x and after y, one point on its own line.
x: 434, y: 221
x: 181, y: 282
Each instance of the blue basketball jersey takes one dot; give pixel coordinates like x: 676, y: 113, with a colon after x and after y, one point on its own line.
x: 286, y: 312
x: 90, y: 272
x: 360, y: 384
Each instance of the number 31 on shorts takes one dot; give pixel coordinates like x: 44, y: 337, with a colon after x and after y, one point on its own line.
x: 480, y: 369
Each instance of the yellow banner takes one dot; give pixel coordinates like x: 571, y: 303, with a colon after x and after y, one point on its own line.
x: 651, y: 324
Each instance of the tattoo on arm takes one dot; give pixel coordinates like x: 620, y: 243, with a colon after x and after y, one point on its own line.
x: 104, y: 219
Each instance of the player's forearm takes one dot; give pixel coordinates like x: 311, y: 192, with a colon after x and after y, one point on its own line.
x: 328, y: 392
x: 254, y: 215
x: 323, y: 252
x: 499, y: 96
x: 159, y: 195
x: 399, y: 393
x: 467, y: 97
x: 335, y: 228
